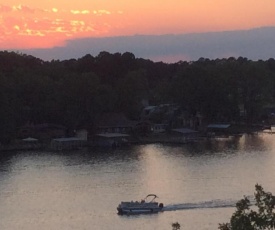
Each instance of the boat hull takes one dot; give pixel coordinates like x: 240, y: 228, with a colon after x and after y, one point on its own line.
x: 133, y: 211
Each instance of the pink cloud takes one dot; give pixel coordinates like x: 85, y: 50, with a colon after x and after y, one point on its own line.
x: 5, y: 9
x: 19, y: 22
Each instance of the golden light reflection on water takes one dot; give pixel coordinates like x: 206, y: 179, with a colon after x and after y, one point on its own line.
x: 161, y: 176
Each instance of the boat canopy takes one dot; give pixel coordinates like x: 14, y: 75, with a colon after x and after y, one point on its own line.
x: 155, y: 196
x: 151, y: 196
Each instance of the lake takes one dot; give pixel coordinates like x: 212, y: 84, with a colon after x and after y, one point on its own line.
x: 198, y: 183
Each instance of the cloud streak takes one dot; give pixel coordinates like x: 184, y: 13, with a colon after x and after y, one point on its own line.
x: 254, y: 44
x: 29, y: 10
x: 80, y: 11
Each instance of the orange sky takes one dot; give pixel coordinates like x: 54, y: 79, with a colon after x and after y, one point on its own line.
x: 47, y: 23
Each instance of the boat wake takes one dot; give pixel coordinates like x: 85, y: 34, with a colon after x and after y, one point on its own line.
x: 201, y: 205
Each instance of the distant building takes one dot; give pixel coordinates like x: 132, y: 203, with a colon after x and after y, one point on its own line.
x: 113, y: 130
x: 171, y: 114
x: 218, y: 129
x: 159, y: 128
x: 184, y: 135
x: 111, y: 140
x: 69, y: 143
x: 114, y: 123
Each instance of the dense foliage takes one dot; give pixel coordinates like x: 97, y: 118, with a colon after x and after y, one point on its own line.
x: 74, y: 92
x: 260, y: 216
x: 253, y: 218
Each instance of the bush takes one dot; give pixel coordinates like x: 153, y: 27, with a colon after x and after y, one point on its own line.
x: 176, y: 226
x: 245, y: 218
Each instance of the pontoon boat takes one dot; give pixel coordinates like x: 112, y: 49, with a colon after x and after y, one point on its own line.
x: 146, y: 205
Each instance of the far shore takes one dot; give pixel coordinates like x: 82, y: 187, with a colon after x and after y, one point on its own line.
x: 163, y: 138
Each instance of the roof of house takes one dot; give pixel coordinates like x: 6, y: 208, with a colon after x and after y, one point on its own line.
x: 184, y: 130
x: 218, y: 126
x: 67, y: 139
x: 30, y: 139
x: 110, y: 135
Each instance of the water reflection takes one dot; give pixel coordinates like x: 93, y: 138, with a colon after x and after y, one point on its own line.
x: 77, y: 190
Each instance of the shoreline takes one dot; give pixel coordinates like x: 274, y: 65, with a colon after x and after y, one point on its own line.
x: 151, y: 139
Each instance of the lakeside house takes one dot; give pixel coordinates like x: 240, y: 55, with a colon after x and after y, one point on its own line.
x: 111, y: 140
x: 114, y: 123
x: 113, y: 130
x: 213, y: 130
x: 159, y: 128
x: 172, y: 115
x: 168, y: 123
x: 173, y: 136
x: 184, y: 135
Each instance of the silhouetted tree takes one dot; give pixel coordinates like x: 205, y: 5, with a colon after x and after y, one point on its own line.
x: 246, y: 218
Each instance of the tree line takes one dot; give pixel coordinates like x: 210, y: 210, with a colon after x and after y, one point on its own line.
x: 75, y: 92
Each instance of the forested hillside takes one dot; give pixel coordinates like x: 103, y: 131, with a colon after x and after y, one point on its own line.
x: 75, y: 92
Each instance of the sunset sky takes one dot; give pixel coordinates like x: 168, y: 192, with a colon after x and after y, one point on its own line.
x: 29, y: 24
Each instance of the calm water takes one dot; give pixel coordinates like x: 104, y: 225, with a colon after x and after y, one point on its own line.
x: 80, y: 190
